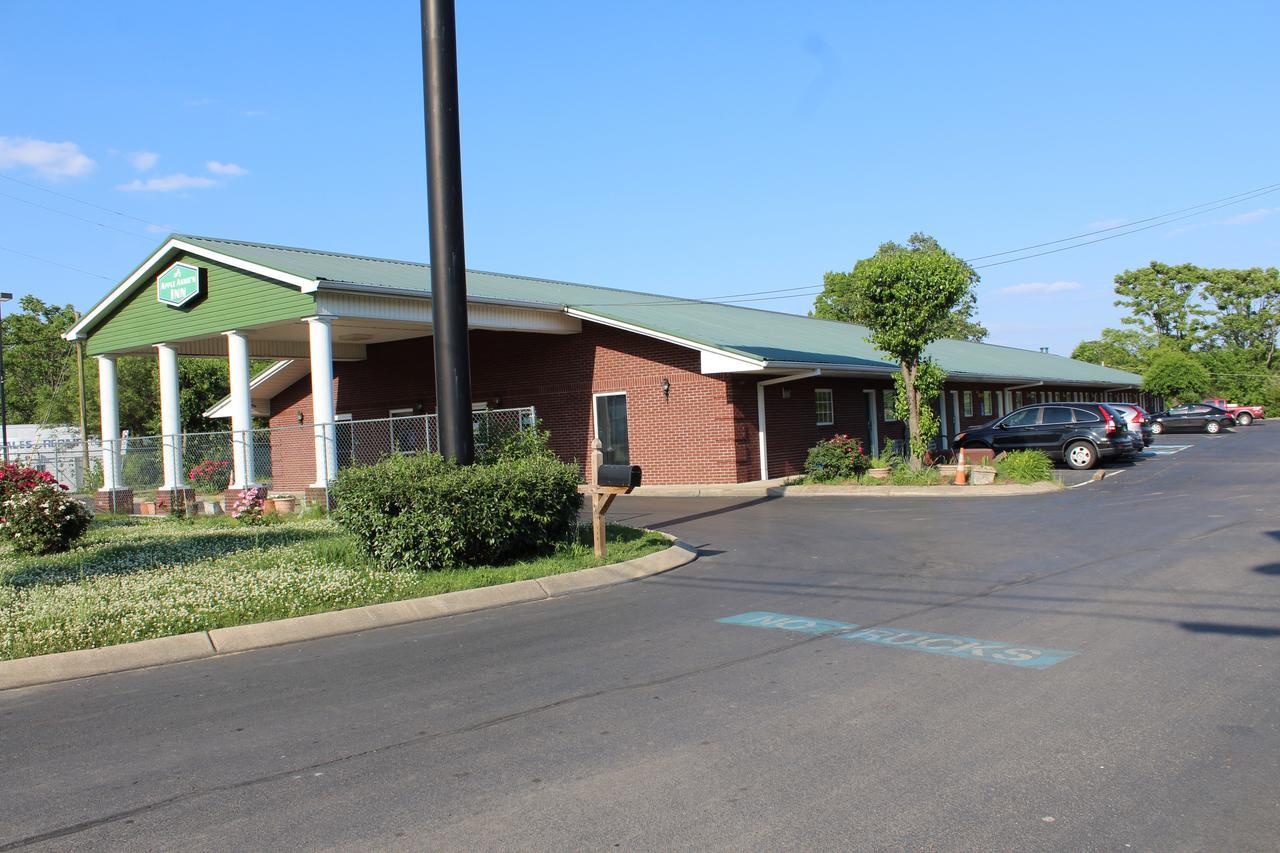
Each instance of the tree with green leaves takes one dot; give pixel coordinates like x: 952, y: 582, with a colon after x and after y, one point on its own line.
x: 41, y: 387
x: 905, y: 296
x: 841, y: 300
x: 1176, y: 375
x: 1166, y: 301
x: 1248, y: 311
x: 1123, y: 349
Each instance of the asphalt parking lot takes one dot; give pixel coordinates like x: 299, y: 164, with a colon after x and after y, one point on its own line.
x: 1091, y: 669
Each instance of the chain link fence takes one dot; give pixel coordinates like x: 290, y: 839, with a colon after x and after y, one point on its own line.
x: 286, y: 460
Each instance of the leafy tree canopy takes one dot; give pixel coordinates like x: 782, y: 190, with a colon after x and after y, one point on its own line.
x: 841, y: 298
x: 1165, y: 301
x: 1176, y: 375
x: 1123, y: 349
x: 905, y: 296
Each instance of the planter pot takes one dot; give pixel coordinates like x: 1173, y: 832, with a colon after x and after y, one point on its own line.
x: 148, y: 507
x: 982, y: 476
x: 285, y: 506
x: 879, y: 473
x: 947, y: 473
x: 268, y: 506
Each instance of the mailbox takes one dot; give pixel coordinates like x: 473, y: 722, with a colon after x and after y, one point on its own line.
x: 626, y: 476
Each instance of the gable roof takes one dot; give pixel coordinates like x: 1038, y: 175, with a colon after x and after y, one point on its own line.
x: 766, y: 338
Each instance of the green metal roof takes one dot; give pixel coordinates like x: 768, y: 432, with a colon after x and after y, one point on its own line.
x: 751, y: 332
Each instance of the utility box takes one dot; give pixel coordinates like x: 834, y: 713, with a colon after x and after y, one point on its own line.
x: 624, y: 476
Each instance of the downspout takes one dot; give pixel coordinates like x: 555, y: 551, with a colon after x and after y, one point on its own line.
x: 762, y: 428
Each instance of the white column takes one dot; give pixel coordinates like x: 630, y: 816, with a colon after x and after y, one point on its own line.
x: 322, y: 409
x: 170, y: 417
x: 241, y: 412
x: 942, y: 418
x: 110, y: 406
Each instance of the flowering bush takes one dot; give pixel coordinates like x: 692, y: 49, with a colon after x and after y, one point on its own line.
x: 211, y: 475
x: 247, y: 508
x: 838, y: 458
x: 14, y: 478
x: 43, y: 519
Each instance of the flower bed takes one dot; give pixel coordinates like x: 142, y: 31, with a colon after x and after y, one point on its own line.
x: 130, y: 579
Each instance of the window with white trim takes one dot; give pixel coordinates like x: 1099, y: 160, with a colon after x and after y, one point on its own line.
x: 968, y: 404
x: 825, y: 406
x: 408, y: 432
x: 986, y: 404
x: 889, y: 413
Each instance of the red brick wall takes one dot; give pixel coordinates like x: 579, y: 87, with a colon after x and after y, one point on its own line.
x: 692, y: 436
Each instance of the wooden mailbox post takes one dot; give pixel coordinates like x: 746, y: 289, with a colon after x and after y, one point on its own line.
x: 601, y: 497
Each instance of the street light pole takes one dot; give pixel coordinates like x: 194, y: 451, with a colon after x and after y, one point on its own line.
x: 4, y: 412
x: 444, y: 217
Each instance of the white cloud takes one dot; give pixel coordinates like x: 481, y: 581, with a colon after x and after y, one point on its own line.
x: 230, y: 169
x: 1106, y: 224
x: 160, y: 229
x: 255, y: 113
x: 144, y: 160
x: 48, y: 159
x: 1041, y: 287
x: 1251, y: 216
x: 168, y: 184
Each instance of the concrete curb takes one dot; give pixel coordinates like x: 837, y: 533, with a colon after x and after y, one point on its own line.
x: 64, y: 666
x: 1003, y: 490
x: 759, y: 490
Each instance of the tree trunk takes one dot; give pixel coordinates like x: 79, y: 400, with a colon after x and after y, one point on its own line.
x: 909, y: 372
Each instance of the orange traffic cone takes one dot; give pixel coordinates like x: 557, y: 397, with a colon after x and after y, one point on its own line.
x: 962, y: 470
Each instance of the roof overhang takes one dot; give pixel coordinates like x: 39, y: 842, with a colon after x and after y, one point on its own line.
x: 160, y: 257
x: 264, y: 387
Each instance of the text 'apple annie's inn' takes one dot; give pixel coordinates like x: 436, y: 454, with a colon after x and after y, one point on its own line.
x: 694, y: 392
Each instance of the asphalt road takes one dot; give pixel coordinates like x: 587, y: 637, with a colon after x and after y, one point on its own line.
x: 632, y: 718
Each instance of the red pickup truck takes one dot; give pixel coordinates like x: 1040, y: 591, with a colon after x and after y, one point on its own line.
x: 1244, y: 415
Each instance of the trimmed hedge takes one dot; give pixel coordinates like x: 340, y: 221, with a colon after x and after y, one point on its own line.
x: 422, y: 512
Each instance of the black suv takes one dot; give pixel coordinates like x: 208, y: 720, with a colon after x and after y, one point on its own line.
x: 1079, y: 434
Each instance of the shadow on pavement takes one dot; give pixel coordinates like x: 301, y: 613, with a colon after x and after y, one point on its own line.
x: 1232, y: 630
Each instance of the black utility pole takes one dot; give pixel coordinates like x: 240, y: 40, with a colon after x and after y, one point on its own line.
x: 444, y: 202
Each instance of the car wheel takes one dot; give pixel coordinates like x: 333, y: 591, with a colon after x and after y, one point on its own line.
x: 1244, y: 419
x: 1212, y: 427
x: 1157, y: 428
x: 1080, y: 455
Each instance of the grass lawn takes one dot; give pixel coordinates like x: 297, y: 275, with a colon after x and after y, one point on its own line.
x: 131, y: 579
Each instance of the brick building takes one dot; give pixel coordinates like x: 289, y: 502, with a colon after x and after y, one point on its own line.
x: 694, y: 392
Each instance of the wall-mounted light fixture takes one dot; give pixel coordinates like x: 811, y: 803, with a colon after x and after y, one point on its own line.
x: 300, y: 416
x: 666, y: 388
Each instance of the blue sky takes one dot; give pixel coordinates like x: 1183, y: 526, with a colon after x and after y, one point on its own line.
x: 698, y: 149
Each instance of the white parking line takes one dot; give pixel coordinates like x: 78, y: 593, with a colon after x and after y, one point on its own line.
x: 1164, y: 449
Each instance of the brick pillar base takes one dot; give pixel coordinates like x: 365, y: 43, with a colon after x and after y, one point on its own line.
x: 178, y: 501
x: 114, y: 500
x: 319, y: 496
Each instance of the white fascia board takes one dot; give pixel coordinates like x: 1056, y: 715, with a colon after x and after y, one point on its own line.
x: 661, y: 336
x: 76, y: 332
x: 718, y: 362
x: 222, y: 408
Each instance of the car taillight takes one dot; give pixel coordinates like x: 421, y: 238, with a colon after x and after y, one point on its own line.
x: 1137, y: 417
x: 1106, y: 416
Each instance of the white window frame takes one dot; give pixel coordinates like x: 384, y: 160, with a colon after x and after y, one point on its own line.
x: 817, y: 403
x: 873, y: 421
x: 968, y: 404
x: 595, y: 426
x: 890, y: 416
x: 986, y: 404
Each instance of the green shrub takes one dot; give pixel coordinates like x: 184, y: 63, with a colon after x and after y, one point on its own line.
x: 423, y: 512
x: 1025, y: 466
x: 838, y: 458
x: 43, y: 519
x: 526, y: 443
x: 211, y: 475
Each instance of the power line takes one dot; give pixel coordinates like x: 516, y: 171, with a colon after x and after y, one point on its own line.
x: 82, y: 201
x: 1237, y: 196
x: 813, y: 290
x: 1124, y: 233
x: 54, y: 263
x: 80, y: 218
